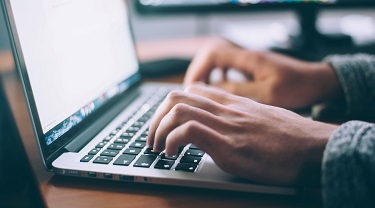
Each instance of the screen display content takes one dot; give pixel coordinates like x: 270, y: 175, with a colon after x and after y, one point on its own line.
x: 75, y: 64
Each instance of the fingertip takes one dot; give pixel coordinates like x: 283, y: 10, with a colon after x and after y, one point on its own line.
x: 155, y: 148
x: 170, y: 152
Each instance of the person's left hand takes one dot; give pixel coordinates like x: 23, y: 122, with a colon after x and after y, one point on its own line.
x: 243, y: 137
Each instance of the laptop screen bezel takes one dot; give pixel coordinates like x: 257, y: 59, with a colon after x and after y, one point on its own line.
x: 52, y: 151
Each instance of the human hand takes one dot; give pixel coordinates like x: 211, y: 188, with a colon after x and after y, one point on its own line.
x: 245, y: 138
x: 272, y: 78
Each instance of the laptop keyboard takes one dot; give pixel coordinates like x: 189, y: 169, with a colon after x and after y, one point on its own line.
x: 126, y: 145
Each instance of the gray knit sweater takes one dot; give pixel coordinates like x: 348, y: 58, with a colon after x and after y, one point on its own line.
x: 348, y: 172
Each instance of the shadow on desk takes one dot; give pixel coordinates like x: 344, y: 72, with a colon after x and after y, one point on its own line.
x: 140, y: 195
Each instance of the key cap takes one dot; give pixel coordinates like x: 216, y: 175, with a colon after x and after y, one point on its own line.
x: 114, y: 132
x: 103, y: 160
x: 174, y: 157
x: 87, y: 158
x: 193, y: 146
x: 190, y: 159
x: 145, y: 161
x: 132, y: 129
x: 141, y: 139
x: 127, y: 135
x: 138, y: 124
x: 138, y: 145
x: 107, y: 138
x: 194, y: 152
x: 186, y: 167
x: 149, y: 151
x: 101, y: 145
x: 164, y: 164
x: 124, y: 160
x: 122, y: 141
x: 116, y: 146
x: 94, y: 151
x: 132, y: 151
x: 110, y: 153
x: 181, y: 148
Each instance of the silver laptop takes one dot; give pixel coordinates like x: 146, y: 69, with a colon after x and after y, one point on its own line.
x: 89, y: 109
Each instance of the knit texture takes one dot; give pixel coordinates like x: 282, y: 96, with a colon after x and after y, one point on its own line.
x: 348, y: 168
x: 348, y: 178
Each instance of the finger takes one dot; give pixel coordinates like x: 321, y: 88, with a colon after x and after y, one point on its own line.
x: 213, y: 93
x: 240, y: 59
x: 200, y: 68
x: 197, y: 133
x: 180, y: 114
x: 174, y: 98
x: 249, y: 89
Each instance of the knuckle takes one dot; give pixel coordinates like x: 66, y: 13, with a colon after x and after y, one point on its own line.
x: 179, y: 110
x: 174, y: 96
x: 191, y: 128
x: 193, y: 88
x: 257, y: 56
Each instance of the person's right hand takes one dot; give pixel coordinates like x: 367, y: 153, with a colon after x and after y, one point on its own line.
x: 273, y: 78
x: 245, y: 138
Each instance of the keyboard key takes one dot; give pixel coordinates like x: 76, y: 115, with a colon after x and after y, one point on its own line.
x: 103, y: 160
x: 181, y: 148
x: 110, y: 153
x: 149, y: 151
x: 116, y: 146
x: 164, y: 164
x: 107, y: 138
x: 94, y: 151
x: 132, y: 151
x: 143, y: 119
x: 138, y: 145
x: 87, y: 158
x: 124, y: 160
x: 174, y: 157
x: 194, y: 152
x: 145, y: 161
x: 101, y: 145
x: 141, y: 139
x: 114, y: 132
x: 132, y: 129
x: 122, y: 141
x: 145, y: 133
x: 193, y: 146
x: 186, y: 167
x: 190, y: 159
x: 127, y: 135
x: 138, y: 124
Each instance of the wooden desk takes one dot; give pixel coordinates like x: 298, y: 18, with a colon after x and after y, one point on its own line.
x: 60, y: 191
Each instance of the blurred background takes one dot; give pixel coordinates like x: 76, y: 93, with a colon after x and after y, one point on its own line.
x: 251, y: 28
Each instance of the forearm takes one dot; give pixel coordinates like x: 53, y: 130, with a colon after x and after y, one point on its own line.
x: 348, y: 170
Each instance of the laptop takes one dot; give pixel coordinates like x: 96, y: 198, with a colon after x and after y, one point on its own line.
x: 18, y: 184
x: 88, y: 105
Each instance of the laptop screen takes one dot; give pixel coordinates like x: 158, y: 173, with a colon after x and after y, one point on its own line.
x: 78, y: 54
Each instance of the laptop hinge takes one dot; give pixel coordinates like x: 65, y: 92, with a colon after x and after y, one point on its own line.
x: 99, y: 124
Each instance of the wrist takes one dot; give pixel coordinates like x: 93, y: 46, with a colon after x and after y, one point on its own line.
x: 311, y: 169
x: 327, y: 83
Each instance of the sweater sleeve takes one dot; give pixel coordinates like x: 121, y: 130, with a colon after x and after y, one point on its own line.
x: 348, y: 169
x: 356, y: 74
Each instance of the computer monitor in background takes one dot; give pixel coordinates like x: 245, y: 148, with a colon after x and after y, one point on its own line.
x: 306, y: 10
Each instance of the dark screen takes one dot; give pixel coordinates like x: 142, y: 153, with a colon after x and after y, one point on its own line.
x: 172, y: 6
